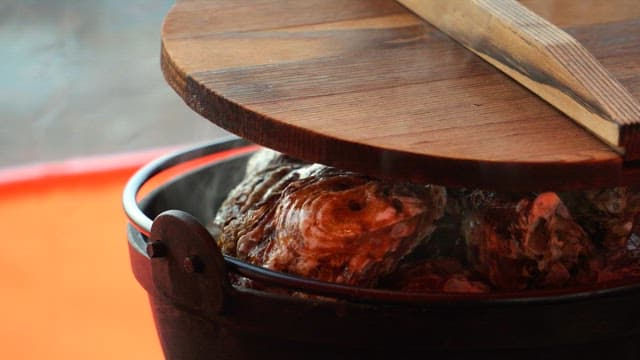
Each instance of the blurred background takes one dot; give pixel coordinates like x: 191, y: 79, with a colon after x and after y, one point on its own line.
x: 82, y: 105
x: 82, y: 77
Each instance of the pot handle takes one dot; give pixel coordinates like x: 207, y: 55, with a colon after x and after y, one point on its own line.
x: 187, y: 266
x: 137, y: 218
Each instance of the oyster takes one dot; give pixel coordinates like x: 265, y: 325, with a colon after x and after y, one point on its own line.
x: 323, y: 223
x: 608, y: 215
x: 529, y: 243
x: 338, y: 226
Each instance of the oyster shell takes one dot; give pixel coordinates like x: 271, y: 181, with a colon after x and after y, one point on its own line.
x: 328, y: 224
x: 529, y: 243
x: 608, y: 215
x: 338, y: 226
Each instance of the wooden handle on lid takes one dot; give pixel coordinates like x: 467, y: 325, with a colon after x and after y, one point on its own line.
x: 543, y: 58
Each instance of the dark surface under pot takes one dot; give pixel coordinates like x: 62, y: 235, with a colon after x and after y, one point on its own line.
x: 199, y: 315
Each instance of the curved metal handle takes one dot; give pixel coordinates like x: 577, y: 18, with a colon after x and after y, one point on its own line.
x: 136, y: 216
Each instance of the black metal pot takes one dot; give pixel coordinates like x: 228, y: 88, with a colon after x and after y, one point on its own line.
x: 200, y: 315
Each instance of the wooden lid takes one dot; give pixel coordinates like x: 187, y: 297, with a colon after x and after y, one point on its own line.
x: 367, y: 86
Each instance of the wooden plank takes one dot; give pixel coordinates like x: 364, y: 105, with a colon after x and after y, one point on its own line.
x: 545, y: 59
x: 196, y: 18
x: 571, y: 13
x: 374, y: 89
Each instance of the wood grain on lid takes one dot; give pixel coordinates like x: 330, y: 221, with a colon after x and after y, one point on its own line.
x: 543, y: 58
x: 367, y: 86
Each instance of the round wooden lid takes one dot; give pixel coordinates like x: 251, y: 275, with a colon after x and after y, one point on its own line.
x: 367, y: 86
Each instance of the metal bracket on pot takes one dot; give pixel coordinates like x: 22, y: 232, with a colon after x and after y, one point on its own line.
x: 187, y: 266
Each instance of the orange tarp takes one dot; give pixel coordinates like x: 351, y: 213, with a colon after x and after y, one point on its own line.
x: 66, y: 286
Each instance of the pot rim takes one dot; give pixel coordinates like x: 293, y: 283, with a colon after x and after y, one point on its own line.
x: 233, y: 147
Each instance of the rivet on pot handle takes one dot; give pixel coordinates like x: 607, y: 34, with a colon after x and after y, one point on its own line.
x: 190, y: 269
